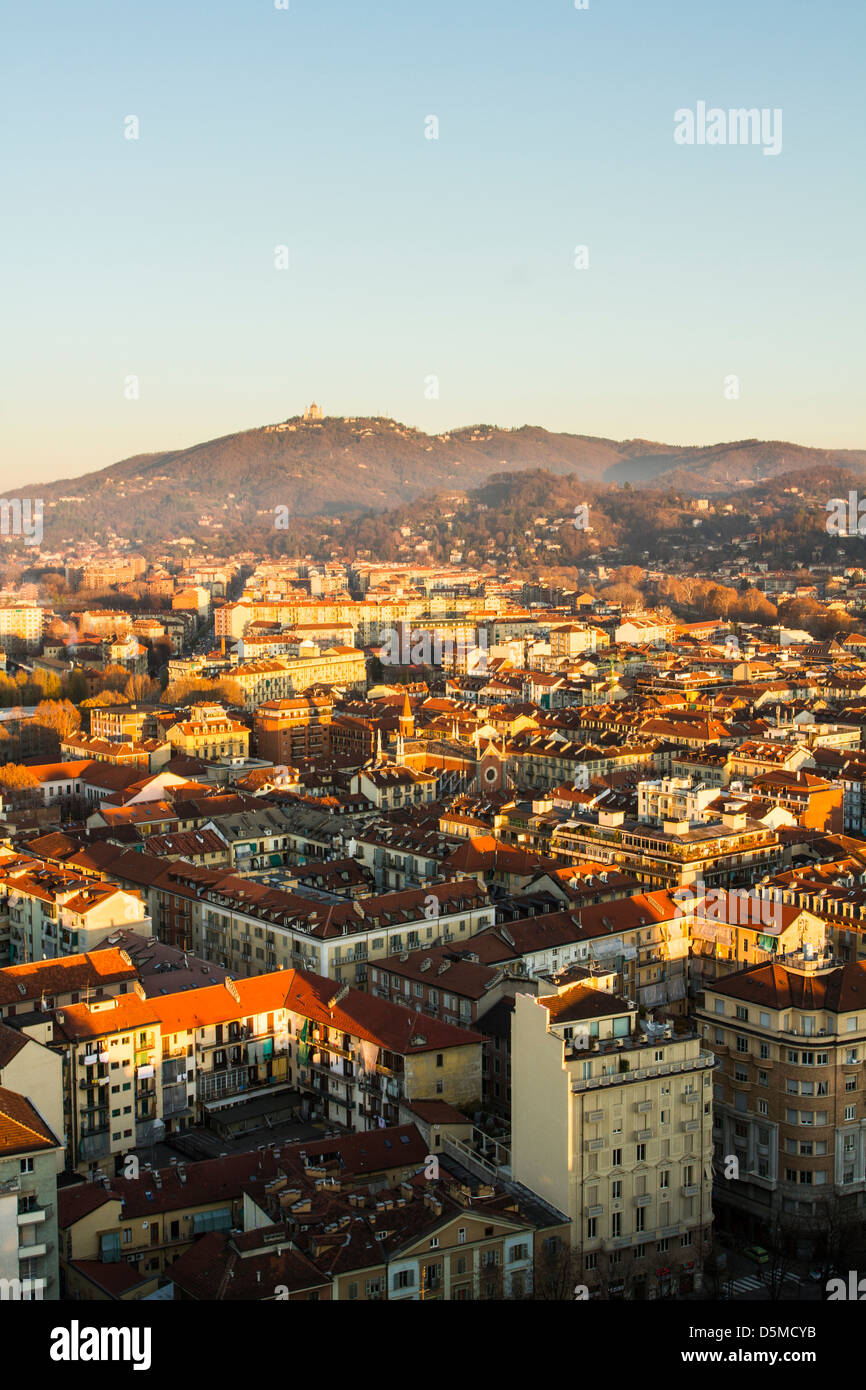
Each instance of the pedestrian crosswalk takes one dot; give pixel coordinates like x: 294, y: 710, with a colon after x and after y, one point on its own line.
x: 752, y: 1283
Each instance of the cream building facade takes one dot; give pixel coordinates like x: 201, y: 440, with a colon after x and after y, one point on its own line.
x: 612, y: 1124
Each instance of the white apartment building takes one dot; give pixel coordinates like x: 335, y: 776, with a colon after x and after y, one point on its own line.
x: 673, y: 799
x: 612, y: 1124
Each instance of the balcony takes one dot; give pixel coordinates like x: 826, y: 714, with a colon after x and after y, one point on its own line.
x: 173, y: 1069
x: 33, y: 1252
x: 691, y: 1190
x: 34, y: 1215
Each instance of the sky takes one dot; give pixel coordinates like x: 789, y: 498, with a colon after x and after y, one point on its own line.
x: 720, y: 295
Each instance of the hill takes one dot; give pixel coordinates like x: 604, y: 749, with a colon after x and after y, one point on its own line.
x: 336, y: 466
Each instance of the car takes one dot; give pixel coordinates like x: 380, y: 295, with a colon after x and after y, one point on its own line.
x: 756, y: 1253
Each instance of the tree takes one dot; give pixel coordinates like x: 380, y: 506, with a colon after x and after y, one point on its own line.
x: 19, y: 785
x: 141, y: 689
x: 58, y: 715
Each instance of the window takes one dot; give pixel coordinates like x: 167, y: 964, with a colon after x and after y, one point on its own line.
x: 616, y: 1224
x: 591, y: 1262
x: 352, y: 1291
x: 720, y: 1006
x: 461, y: 1235
x: 742, y: 1013
x: 740, y: 1074
x: 404, y: 1279
x: 25, y: 1165
x: 664, y: 1246
x: 591, y: 1227
x: 763, y: 1108
x: 764, y: 1050
x: 640, y: 1156
x: 763, y: 1078
x: 440, y: 1061
x: 434, y: 1242
x: 640, y: 1219
x: 616, y: 1158
x: 850, y: 1083
x: 742, y: 1043
x: 764, y: 1020
x: 616, y: 1190
x: 850, y: 1112
x: 664, y: 1178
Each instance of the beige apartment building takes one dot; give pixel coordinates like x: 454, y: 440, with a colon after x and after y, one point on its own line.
x: 280, y: 680
x: 137, y: 1068
x: 209, y: 733
x: 731, y: 852
x: 28, y: 1202
x: 612, y: 1124
x: 53, y: 912
x: 20, y: 626
x: 790, y: 1090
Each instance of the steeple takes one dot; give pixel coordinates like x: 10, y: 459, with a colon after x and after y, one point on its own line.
x: 406, y: 722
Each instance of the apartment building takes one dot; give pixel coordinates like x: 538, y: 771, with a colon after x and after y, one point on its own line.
x: 20, y: 627
x: 138, y: 1068
x: 728, y: 931
x: 263, y: 681
x: 32, y: 1070
x: 442, y: 983
x: 403, y: 856
x: 55, y: 912
x: 814, y: 802
x: 612, y: 1124
x: 537, y: 760
x: 209, y: 733
x: 730, y: 852
x: 388, y: 786
x: 124, y: 723
x: 281, y: 929
x: 28, y: 1201
x: 127, y: 1230
x: 673, y: 799
x: 51, y: 984
x: 790, y: 1093
x: 287, y: 731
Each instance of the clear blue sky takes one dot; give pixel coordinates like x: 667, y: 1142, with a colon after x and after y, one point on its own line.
x: 412, y: 257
